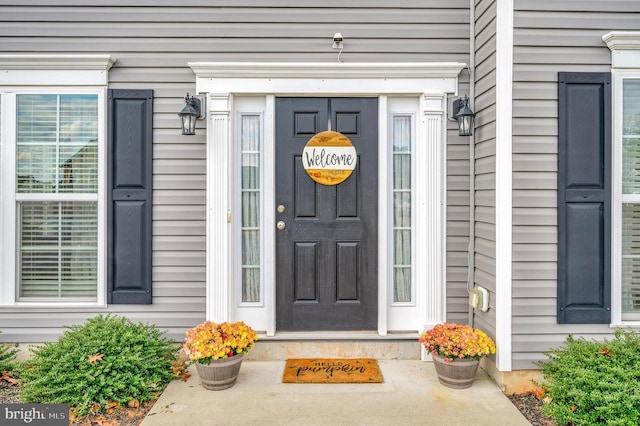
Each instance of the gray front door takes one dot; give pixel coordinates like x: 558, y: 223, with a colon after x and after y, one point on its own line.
x: 326, y: 255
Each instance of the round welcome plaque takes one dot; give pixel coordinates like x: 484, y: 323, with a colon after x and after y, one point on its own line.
x: 329, y: 158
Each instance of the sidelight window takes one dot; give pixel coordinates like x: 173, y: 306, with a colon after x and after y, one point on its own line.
x: 250, y: 186
x: 401, y: 134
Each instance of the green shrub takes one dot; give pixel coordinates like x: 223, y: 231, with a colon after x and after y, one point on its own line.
x: 7, y: 357
x: 591, y: 382
x: 107, y: 359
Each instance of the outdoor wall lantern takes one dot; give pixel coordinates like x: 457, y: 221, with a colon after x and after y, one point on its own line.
x: 463, y: 114
x: 190, y: 113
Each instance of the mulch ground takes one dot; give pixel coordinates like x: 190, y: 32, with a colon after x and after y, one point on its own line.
x: 9, y: 394
x: 531, y: 408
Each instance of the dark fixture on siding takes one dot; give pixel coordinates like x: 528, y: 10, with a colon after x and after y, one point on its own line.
x: 190, y: 113
x: 463, y: 114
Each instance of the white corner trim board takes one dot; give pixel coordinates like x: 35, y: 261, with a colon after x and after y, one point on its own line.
x: 504, y: 181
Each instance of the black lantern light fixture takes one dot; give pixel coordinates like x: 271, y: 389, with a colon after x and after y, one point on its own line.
x: 463, y: 114
x: 190, y: 113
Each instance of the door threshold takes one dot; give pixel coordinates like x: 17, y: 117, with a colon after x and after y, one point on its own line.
x: 339, y: 335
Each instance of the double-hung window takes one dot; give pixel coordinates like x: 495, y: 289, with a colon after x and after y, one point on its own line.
x: 626, y: 175
x: 52, y: 154
x: 52, y: 142
x: 628, y: 145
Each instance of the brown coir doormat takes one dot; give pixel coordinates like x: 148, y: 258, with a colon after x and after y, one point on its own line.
x: 323, y: 370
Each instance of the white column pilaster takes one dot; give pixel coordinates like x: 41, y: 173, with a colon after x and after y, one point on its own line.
x: 430, y: 211
x: 218, y: 207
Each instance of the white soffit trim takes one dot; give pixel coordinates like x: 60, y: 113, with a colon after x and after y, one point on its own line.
x: 326, y: 69
x: 504, y: 181
x: 625, y: 46
x: 326, y: 78
x: 61, y: 70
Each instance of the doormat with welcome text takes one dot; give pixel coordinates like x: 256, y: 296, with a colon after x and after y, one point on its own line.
x: 323, y: 370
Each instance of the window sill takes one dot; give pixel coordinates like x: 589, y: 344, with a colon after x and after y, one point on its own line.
x: 52, y: 306
x: 625, y: 324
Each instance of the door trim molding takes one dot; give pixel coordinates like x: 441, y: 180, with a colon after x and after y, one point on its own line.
x: 430, y: 81
x: 324, y: 70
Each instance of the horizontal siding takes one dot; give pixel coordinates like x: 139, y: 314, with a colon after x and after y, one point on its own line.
x: 576, y: 20
x: 459, y: 182
x: 153, y: 40
x: 239, y: 15
x: 537, y: 215
x: 525, y: 289
x: 597, y: 6
x: 538, y: 252
x: 487, y: 163
x: 174, y: 212
x: 457, y: 229
x: 532, y: 179
x: 240, y: 3
x: 485, y: 153
x: 534, y: 234
x: 486, y: 199
x: 458, y: 214
x: 529, y: 144
x: 486, y: 248
x: 457, y: 244
x: 534, y: 198
x: 485, y: 230
x: 484, y: 216
x: 229, y: 31
x: 549, y: 72
x: 549, y: 36
x: 178, y: 243
x: 485, y: 159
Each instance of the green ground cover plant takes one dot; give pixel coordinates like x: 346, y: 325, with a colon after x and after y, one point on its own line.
x: 594, y: 382
x: 7, y: 357
x: 98, y: 366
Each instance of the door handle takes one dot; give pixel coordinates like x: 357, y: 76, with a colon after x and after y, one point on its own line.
x: 280, y: 225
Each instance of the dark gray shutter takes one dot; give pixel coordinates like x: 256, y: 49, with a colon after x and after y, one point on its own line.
x: 584, y: 198
x: 129, y: 182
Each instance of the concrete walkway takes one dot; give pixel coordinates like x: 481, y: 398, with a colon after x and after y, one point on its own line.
x: 410, y: 395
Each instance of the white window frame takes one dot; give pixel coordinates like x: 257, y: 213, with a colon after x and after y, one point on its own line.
x: 618, y: 199
x: 250, y: 312
x: 625, y: 63
x: 47, y: 74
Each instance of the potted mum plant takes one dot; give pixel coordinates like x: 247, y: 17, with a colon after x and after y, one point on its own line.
x: 217, y: 351
x: 456, y: 350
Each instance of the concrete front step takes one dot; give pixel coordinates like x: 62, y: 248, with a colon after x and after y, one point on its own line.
x: 286, y: 346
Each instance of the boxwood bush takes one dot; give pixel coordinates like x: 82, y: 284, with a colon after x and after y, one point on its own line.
x: 591, y: 382
x: 107, y: 360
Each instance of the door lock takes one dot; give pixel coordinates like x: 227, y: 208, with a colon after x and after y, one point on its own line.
x: 280, y: 208
x: 280, y: 225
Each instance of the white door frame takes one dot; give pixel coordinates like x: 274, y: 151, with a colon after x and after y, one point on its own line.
x: 430, y: 82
